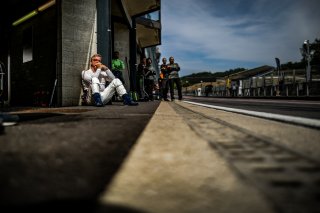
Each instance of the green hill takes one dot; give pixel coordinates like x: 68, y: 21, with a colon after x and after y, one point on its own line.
x: 207, y: 76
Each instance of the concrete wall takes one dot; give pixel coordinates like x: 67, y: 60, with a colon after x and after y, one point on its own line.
x: 79, y: 42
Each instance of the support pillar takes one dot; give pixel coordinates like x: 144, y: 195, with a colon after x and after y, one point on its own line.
x: 133, y: 56
x: 104, y: 40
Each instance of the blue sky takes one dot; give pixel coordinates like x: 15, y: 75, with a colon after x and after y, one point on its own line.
x: 215, y: 35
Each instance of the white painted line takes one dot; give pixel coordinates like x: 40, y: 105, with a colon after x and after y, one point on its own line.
x: 286, y: 118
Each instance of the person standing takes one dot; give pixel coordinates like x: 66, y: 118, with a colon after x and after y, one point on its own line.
x: 117, y: 66
x: 149, y: 78
x: 173, y: 69
x: 139, y: 77
x: 94, y: 84
x: 160, y: 85
x: 164, y: 87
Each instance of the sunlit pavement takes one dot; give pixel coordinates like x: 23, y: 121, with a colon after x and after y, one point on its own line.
x: 171, y: 169
x: 195, y: 159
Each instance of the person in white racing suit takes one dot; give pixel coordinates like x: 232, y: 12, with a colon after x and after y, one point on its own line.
x: 94, y: 84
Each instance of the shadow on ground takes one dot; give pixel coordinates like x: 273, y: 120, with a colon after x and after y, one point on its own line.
x: 61, y: 162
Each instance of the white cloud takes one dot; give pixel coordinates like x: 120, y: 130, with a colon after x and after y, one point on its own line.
x: 198, y: 31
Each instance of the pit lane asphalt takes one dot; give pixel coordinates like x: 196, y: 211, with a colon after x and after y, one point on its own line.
x: 148, y: 158
x: 58, y: 159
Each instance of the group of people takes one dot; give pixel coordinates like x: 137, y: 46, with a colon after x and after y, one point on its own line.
x: 169, y: 75
x: 100, y: 84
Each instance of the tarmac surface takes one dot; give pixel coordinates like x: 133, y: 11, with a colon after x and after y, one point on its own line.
x: 156, y: 157
x: 62, y: 158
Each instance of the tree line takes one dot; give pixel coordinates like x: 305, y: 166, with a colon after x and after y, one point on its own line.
x: 206, y: 76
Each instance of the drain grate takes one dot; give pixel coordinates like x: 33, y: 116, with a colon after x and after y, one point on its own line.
x: 289, y: 180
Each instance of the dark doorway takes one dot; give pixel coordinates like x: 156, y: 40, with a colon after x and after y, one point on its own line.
x: 33, y: 50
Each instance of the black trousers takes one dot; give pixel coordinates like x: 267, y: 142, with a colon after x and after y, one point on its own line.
x: 149, y: 85
x: 118, y: 74
x: 176, y: 81
x: 165, y: 88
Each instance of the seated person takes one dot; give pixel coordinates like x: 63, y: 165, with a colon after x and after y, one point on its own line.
x: 94, y: 83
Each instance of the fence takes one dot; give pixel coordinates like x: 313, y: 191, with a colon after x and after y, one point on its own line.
x: 287, y: 83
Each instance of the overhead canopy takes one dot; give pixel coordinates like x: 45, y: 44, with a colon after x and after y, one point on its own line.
x: 147, y: 16
x: 141, y: 7
x: 148, y: 32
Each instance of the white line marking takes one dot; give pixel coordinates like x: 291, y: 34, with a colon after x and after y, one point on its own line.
x: 291, y: 119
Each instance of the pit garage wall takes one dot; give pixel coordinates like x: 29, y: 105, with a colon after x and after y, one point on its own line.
x: 121, y: 44
x: 32, y: 68
x: 78, y: 43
